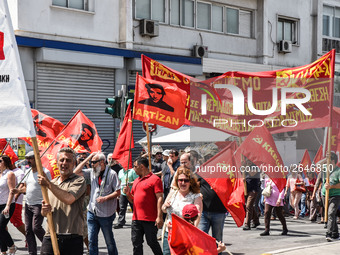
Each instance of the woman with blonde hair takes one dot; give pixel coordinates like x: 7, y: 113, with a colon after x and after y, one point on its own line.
x: 186, y: 191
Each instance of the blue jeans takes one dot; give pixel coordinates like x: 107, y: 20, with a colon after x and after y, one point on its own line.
x: 215, y: 221
x: 166, y: 248
x: 94, y: 224
x: 303, y: 205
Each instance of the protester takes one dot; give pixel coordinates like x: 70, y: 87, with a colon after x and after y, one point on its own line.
x: 274, y: 201
x: 173, y: 163
x: 105, y: 188
x: 312, y: 203
x: 113, y: 164
x: 125, y: 177
x: 214, y: 212
x: 81, y: 157
x: 304, y: 198
x: 157, y: 160
x: 66, y: 196
x: 33, y: 217
x: 190, y: 214
x: 293, y: 181
x: 147, y: 197
x: 166, y: 175
x: 333, y: 187
x: 186, y: 191
x: 253, y: 183
x: 7, y: 203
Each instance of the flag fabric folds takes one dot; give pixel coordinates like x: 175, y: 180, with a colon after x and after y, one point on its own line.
x: 222, y: 174
x: 15, y: 112
x: 260, y: 148
x: 305, y: 163
x: 187, y: 239
x: 159, y: 103
x: 318, y: 155
x: 121, y: 151
x: 8, y: 151
x: 46, y: 127
x: 79, y: 134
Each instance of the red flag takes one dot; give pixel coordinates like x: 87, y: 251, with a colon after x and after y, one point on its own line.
x: 79, y: 134
x: 46, y: 127
x: 121, y: 151
x: 187, y: 239
x: 305, y: 162
x: 319, y: 155
x: 224, y: 178
x: 159, y: 103
x: 259, y: 147
x: 8, y: 151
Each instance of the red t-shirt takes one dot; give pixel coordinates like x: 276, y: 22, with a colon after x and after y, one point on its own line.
x: 145, y: 202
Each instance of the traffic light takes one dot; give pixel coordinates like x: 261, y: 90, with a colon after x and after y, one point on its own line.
x: 115, y: 108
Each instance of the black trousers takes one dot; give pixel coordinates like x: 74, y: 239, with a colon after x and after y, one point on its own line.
x: 140, y: 228
x: 67, y: 245
x: 5, y: 238
x: 123, y: 202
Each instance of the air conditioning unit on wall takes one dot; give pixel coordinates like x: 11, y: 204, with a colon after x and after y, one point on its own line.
x: 149, y: 27
x: 285, y: 46
x: 200, y: 51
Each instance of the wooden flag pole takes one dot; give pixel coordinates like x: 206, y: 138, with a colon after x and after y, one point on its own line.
x: 149, y: 145
x: 327, y: 173
x: 45, y: 197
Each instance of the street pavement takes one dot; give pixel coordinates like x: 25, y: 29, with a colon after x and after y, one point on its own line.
x: 303, y: 237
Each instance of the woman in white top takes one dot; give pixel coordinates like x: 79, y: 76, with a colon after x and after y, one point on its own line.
x: 7, y: 204
x: 186, y: 191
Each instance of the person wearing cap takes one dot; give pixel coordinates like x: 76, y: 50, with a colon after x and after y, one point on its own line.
x: 186, y: 191
x: 190, y: 214
x: 33, y: 217
x: 157, y: 161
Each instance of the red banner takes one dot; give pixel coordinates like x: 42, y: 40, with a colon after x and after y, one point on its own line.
x: 187, y: 239
x: 305, y: 162
x: 159, y: 103
x: 225, y: 179
x: 259, y: 147
x: 121, y: 151
x: 46, y: 127
x: 8, y: 151
x: 79, y: 134
x: 319, y: 155
x: 236, y: 102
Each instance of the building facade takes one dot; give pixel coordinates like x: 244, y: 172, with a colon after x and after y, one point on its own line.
x: 76, y: 53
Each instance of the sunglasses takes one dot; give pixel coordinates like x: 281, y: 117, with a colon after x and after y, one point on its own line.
x: 1, y: 161
x: 184, y: 180
x: 95, y: 161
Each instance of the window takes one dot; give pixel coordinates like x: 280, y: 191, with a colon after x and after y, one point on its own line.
x: 331, y: 21
x: 287, y: 30
x: 75, y: 4
x: 217, y: 18
x: 232, y: 21
x: 203, y: 16
x: 182, y: 13
x: 150, y: 9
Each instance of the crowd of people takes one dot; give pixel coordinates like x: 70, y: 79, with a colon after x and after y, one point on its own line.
x: 92, y: 190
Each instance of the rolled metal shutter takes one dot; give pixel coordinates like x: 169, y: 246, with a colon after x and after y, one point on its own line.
x: 62, y: 90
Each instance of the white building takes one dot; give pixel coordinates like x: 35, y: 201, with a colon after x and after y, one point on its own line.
x: 76, y: 53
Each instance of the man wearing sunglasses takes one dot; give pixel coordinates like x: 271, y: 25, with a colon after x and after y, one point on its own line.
x: 105, y: 189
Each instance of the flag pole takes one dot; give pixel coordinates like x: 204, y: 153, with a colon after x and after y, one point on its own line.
x: 149, y: 145
x: 127, y: 170
x: 244, y: 173
x: 327, y: 173
x: 45, y: 197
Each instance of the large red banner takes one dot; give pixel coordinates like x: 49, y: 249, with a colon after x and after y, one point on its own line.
x: 79, y: 134
x: 236, y: 102
x: 159, y: 103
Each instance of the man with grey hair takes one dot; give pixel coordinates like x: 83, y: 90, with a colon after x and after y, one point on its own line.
x: 105, y: 188
x: 66, y: 194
